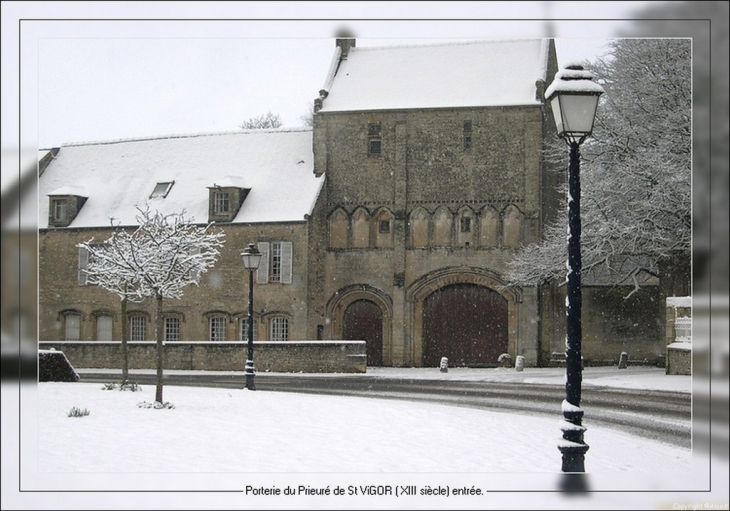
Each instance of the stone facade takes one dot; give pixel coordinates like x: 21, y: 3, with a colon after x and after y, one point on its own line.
x: 223, y: 291
x: 405, y: 248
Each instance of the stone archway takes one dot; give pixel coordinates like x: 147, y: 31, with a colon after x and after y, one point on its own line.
x: 492, y: 295
x: 355, y: 311
x: 466, y: 323
x: 363, y: 320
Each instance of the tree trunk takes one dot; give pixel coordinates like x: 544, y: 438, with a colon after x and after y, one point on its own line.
x: 125, y: 351
x: 160, y: 348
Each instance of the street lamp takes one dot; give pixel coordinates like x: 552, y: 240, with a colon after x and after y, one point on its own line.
x: 573, y: 96
x: 251, y: 259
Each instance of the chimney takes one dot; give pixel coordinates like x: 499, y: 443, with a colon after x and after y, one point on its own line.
x: 345, y: 43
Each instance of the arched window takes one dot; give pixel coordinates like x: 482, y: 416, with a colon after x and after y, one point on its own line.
x: 72, y: 326
x: 217, y: 328
x: 338, y: 226
x: 361, y: 229
x: 137, y: 327
x: 243, y: 329
x: 512, y: 226
x: 418, y: 225
x: 104, y: 328
x: 279, y: 326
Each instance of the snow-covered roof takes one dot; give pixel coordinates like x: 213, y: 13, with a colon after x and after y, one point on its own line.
x: 119, y: 176
x: 466, y: 74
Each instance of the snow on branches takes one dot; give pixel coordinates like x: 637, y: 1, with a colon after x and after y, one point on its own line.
x: 161, y: 257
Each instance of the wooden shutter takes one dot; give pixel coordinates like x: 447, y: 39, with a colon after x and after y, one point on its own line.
x: 83, y: 264
x: 286, y: 262
x: 262, y: 274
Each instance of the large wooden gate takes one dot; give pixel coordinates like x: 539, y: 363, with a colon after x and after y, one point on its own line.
x: 466, y: 323
x: 364, y: 321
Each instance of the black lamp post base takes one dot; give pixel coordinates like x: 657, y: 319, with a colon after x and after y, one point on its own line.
x: 574, y: 457
x: 250, y: 376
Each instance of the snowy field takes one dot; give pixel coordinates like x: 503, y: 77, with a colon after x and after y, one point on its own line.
x: 238, y: 448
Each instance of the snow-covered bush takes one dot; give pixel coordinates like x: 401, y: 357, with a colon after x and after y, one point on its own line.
x: 77, y: 412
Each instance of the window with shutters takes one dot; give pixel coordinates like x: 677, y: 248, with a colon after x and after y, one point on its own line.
x: 276, y: 262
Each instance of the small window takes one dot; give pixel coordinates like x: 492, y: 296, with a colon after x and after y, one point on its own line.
x: 465, y: 224
x: 217, y: 329
x: 276, y: 264
x: 275, y: 274
x: 161, y: 190
x: 60, y: 210
x: 374, y: 139
x: 279, y: 329
x: 384, y: 226
x: 72, y: 327
x: 243, y: 329
x: 172, y: 329
x: 467, y: 134
x: 137, y: 328
x: 221, y: 203
x: 104, y: 328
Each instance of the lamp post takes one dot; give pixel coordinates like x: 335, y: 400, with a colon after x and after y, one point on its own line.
x: 251, y: 259
x: 574, y: 98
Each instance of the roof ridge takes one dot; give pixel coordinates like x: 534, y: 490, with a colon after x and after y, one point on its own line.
x: 187, y: 135
x: 450, y: 43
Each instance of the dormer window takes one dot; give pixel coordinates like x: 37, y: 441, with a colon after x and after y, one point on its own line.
x: 224, y: 202
x: 221, y: 203
x: 60, y: 210
x: 63, y: 208
x: 161, y: 190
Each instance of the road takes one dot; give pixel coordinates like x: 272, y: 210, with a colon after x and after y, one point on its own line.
x: 657, y: 415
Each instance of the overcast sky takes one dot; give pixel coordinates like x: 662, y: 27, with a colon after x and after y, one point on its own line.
x: 116, y: 77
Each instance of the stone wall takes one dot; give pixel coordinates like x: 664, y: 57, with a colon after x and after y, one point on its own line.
x: 292, y: 356
x: 223, y: 290
x: 679, y: 334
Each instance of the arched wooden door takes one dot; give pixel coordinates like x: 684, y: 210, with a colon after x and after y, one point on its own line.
x: 466, y: 323
x: 364, y: 321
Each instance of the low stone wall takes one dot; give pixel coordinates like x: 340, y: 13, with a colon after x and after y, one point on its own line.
x: 679, y: 335
x: 679, y: 358
x: 285, y: 357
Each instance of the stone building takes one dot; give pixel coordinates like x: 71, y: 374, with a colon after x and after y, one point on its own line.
x: 258, y: 186
x: 392, y: 220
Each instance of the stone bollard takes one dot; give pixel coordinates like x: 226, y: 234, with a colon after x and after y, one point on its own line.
x: 444, y: 365
x: 623, y: 360
x: 519, y: 363
x: 505, y: 359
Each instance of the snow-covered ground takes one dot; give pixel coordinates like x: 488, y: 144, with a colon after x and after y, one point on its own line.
x: 235, y: 449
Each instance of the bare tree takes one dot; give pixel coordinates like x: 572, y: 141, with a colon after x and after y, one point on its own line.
x: 636, y: 172
x: 104, y: 269
x: 265, y: 121
x: 163, y: 256
x: 308, y: 118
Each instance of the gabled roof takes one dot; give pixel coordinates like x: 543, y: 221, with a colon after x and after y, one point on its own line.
x: 467, y: 74
x: 119, y: 176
